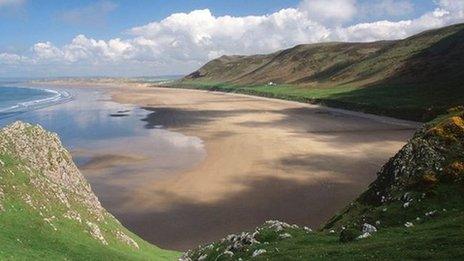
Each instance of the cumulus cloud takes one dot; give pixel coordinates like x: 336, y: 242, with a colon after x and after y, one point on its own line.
x: 46, y: 51
x: 200, y: 35
x: 12, y: 59
x: 183, y: 41
x: 444, y: 14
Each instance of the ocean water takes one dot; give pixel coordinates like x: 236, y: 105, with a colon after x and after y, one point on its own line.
x: 15, y: 100
x: 95, y: 128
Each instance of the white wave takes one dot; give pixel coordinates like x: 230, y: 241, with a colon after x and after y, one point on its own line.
x: 58, y: 97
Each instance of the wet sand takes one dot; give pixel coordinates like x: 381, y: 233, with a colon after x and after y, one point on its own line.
x: 266, y: 159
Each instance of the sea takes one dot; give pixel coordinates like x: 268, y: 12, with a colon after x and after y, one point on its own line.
x: 16, y: 100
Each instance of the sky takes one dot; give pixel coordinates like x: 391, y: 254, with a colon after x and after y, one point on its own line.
x: 56, y: 38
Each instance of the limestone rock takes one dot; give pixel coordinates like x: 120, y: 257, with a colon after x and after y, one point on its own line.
x: 259, y: 252
x: 368, y: 228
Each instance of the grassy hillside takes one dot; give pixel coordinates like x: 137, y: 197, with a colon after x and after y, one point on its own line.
x: 299, y: 64
x: 413, y: 210
x: 48, y: 210
x: 416, y: 78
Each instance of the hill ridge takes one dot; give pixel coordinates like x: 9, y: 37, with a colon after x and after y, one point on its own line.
x: 416, y: 78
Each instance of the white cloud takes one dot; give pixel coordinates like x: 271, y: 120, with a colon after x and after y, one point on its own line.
x: 46, y: 51
x: 445, y: 14
x: 457, y: 5
x: 12, y: 59
x: 199, y: 35
x: 183, y: 41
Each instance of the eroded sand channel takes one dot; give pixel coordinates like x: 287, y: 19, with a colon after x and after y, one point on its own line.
x: 266, y: 159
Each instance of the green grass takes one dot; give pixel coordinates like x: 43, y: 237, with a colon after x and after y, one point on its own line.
x: 439, y: 239
x: 25, y: 235
x: 286, y: 92
x: 435, y: 238
x: 411, y: 102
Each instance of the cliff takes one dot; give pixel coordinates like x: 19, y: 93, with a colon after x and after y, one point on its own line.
x: 48, y: 210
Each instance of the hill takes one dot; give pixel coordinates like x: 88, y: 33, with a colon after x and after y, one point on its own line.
x: 413, y: 210
x: 48, y: 210
x: 415, y: 78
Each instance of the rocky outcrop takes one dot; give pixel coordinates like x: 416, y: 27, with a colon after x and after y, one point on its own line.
x: 432, y: 159
x: 433, y: 155
x: 234, y: 245
x: 42, y: 151
x: 52, y: 185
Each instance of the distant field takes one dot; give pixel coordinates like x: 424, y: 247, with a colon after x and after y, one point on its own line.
x: 405, y: 102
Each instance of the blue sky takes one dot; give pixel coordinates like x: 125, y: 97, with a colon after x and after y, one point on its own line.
x: 110, y: 37
x: 40, y: 20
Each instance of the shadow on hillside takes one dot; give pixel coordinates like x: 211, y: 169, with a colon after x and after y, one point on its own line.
x: 441, y: 63
x: 425, y: 85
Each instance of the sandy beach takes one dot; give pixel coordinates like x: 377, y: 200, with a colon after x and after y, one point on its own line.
x: 266, y: 159
x: 185, y: 167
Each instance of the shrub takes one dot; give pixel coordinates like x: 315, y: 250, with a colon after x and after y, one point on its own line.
x: 348, y: 235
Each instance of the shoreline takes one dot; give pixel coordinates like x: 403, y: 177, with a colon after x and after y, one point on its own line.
x: 138, y: 85
x: 59, y: 97
x: 376, y: 117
